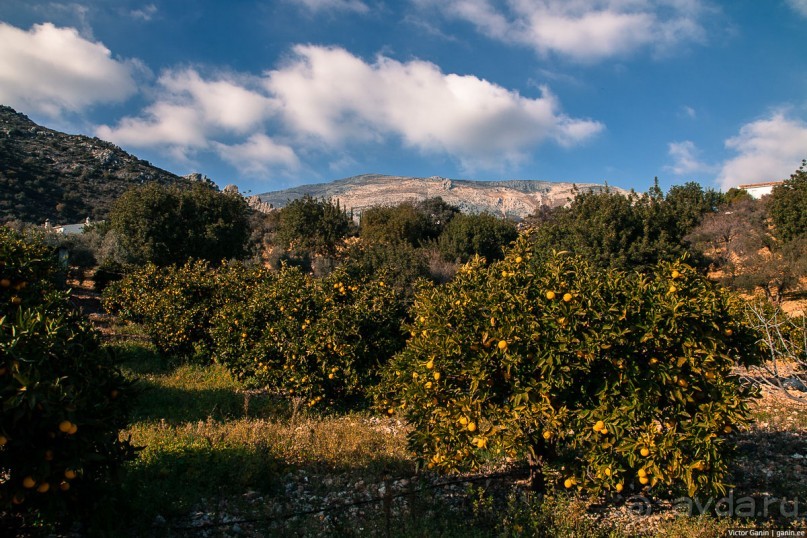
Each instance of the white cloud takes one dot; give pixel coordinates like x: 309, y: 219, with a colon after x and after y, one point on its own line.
x: 146, y: 13
x: 258, y: 155
x: 338, y: 98
x: 769, y: 150
x: 356, y: 6
x: 190, y: 111
x: 583, y: 30
x: 52, y: 70
x: 688, y: 112
x: 686, y: 161
x: 799, y: 5
x: 328, y: 102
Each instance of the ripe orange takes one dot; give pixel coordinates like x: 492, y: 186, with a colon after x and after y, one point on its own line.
x: 599, y: 425
x: 3, y: 440
x: 436, y: 376
x: 550, y: 295
x: 642, y: 473
x: 502, y: 345
x: 28, y: 482
x: 65, y: 425
x: 463, y: 420
x: 644, y: 451
x: 70, y: 474
x: 43, y: 487
x: 471, y: 427
x: 643, y: 480
x: 430, y: 364
x: 547, y: 435
x: 619, y: 487
x: 675, y: 273
x: 73, y: 429
x: 518, y: 259
x: 64, y: 486
x: 567, y: 297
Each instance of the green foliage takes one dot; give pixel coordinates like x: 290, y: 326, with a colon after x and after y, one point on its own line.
x: 63, y: 399
x: 579, y: 368
x: 319, y: 339
x: 395, y: 224
x: 315, y: 226
x: 788, y: 206
x: 627, y: 232
x: 168, y: 225
x: 45, y: 174
x: 176, y: 304
x: 469, y: 235
x: 399, y: 264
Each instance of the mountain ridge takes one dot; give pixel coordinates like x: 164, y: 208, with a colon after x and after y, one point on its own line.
x: 513, y: 198
x: 47, y: 174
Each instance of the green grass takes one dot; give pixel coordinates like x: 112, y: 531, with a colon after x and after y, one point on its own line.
x: 206, y: 442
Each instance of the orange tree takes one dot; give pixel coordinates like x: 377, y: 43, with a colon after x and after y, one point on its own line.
x: 175, y: 304
x: 63, y: 399
x: 322, y: 340
x: 605, y: 380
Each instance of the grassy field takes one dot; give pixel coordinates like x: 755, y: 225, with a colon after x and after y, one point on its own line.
x: 217, y: 460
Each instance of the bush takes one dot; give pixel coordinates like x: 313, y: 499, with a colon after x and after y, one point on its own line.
x: 63, y: 398
x: 168, y: 225
x: 175, y: 304
x: 605, y: 380
x: 322, y: 340
x: 469, y: 235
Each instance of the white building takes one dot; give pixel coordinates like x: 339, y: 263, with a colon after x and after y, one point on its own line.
x: 758, y: 190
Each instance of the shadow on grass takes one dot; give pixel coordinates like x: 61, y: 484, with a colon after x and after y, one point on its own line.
x: 174, y: 405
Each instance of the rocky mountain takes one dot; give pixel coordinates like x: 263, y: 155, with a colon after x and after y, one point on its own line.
x: 513, y: 198
x: 46, y: 174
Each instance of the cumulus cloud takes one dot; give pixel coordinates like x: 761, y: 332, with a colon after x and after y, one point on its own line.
x: 333, y: 96
x: 768, y: 150
x: 51, y: 70
x: 799, y: 5
x: 327, y: 101
x: 686, y: 161
x: 356, y: 6
x: 190, y: 111
x: 258, y: 155
x: 582, y: 30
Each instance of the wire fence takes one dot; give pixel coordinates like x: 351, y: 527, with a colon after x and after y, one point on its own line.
x: 385, y: 500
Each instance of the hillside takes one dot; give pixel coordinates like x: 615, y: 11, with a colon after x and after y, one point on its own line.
x: 45, y: 174
x: 514, y: 198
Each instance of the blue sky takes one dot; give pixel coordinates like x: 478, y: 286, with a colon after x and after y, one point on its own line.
x: 271, y: 94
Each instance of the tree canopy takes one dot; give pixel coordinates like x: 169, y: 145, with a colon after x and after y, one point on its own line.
x: 167, y: 224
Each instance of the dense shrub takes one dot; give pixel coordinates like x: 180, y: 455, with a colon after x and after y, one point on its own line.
x: 606, y: 380
x: 175, y: 304
x: 168, y: 225
x: 469, y: 235
x: 319, y: 339
x: 788, y: 206
x: 63, y: 400
x: 309, y: 226
x: 399, y: 264
x: 627, y: 232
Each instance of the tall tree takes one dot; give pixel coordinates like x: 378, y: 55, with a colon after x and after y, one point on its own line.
x: 168, y: 224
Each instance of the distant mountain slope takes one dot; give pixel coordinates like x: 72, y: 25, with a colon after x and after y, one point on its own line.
x: 45, y: 174
x: 514, y: 198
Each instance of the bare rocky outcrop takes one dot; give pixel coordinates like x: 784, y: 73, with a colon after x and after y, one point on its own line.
x: 511, y: 198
